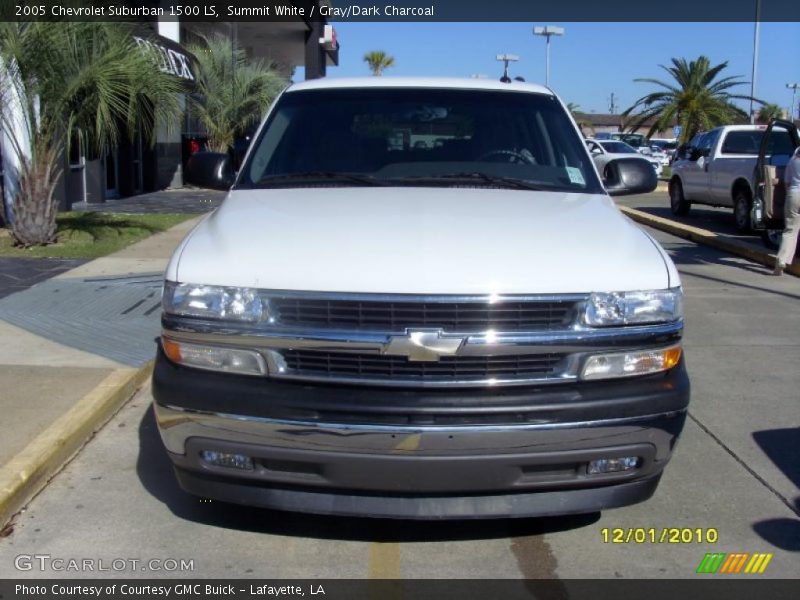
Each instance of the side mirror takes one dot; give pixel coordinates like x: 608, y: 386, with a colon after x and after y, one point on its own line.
x: 624, y: 176
x: 209, y: 170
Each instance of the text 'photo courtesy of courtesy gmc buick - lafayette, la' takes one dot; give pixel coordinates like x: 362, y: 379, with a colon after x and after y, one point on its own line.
x: 419, y: 301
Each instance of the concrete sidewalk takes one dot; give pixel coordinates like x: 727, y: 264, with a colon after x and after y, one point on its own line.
x: 73, y: 349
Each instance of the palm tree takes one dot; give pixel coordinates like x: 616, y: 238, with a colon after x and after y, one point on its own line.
x: 233, y: 92
x: 378, y: 60
x: 696, y: 101
x: 579, y: 117
x: 67, y: 82
x: 768, y: 112
x: 573, y: 107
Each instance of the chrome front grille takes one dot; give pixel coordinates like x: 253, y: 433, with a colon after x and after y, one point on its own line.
x: 404, y: 340
x: 449, y: 369
x: 397, y: 316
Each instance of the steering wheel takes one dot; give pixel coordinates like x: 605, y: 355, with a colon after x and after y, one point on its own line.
x: 511, y: 156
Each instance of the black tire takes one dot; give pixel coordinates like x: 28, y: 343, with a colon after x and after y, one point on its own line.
x: 771, y: 238
x: 742, y: 204
x: 678, y: 203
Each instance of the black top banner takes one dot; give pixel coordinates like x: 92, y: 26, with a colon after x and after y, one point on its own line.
x: 405, y: 10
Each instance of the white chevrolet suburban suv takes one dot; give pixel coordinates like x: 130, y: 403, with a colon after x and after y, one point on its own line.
x: 419, y: 301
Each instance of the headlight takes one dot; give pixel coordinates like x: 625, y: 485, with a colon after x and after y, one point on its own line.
x: 630, y: 308
x: 213, y: 302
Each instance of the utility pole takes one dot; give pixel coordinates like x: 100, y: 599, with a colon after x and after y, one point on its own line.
x: 792, y: 112
x: 613, y: 106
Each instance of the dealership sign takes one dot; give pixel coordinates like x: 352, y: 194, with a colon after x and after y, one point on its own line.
x: 168, y: 60
x: 328, y: 39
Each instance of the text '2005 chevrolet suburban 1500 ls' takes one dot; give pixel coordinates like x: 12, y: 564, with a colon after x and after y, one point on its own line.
x: 419, y: 301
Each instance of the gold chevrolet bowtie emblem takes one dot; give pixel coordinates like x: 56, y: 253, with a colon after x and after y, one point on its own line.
x: 423, y: 345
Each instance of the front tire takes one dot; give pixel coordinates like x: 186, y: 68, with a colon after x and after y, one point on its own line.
x: 678, y: 203
x: 742, y: 204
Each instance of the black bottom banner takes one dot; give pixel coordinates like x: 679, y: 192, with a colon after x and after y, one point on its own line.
x: 713, y: 588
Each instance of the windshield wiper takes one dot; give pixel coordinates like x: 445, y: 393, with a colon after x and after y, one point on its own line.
x: 509, y: 182
x: 331, y: 176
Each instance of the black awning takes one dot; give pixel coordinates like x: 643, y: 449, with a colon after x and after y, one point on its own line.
x: 168, y: 55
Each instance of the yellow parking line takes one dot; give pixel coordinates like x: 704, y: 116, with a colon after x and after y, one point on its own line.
x: 384, y: 560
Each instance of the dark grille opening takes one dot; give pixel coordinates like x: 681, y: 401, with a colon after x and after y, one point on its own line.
x: 369, y: 366
x: 451, y: 316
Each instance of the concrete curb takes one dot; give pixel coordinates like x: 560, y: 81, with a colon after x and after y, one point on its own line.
x: 708, y: 238
x: 28, y: 472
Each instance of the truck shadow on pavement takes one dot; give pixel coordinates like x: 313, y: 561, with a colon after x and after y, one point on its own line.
x: 692, y: 255
x: 154, y: 470
x: 781, y: 446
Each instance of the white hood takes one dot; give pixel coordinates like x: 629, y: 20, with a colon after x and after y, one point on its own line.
x: 422, y: 241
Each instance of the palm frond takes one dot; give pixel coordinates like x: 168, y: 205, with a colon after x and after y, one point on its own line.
x: 698, y: 99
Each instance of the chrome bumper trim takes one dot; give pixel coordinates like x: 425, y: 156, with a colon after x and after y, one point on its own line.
x: 178, y: 424
x: 409, y: 429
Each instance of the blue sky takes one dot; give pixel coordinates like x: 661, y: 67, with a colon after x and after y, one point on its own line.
x: 587, y: 64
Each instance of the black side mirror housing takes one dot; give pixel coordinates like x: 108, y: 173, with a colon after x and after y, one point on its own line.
x: 625, y: 176
x: 212, y: 170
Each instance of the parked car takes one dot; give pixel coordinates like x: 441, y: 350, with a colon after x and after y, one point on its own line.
x: 655, y: 153
x: 471, y: 329
x: 636, y: 140
x: 718, y: 168
x: 603, y: 151
x: 667, y: 145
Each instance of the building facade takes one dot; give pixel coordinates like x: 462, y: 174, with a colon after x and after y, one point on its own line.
x: 134, y: 166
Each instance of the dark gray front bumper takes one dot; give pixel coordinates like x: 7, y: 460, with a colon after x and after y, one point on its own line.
x: 483, y: 506
x: 419, y: 454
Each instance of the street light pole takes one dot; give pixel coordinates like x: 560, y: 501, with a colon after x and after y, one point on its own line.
x: 755, y: 60
x: 793, y: 87
x: 547, y: 32
x: 506, y: 58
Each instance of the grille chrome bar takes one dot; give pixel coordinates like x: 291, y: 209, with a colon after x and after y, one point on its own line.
x: 465, y: 367
x: 448, y: 372
x: 396, y: 316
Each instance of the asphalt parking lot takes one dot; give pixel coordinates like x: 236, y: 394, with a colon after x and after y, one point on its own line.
x: 736, y: 470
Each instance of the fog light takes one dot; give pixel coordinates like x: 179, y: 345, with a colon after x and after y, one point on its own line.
x: 628, y: 364
x: 213, y: 358
x: 613, y: 465
x: 226, y: 459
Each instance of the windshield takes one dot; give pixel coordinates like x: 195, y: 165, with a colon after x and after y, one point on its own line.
x: 618, y: 148
x: 410, y: 136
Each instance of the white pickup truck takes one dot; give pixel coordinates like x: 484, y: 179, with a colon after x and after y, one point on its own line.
x: 718, y: 168
x: 371, y: 326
